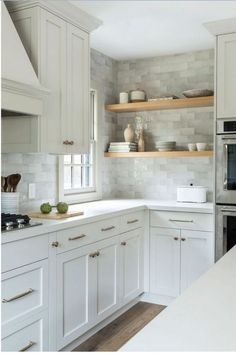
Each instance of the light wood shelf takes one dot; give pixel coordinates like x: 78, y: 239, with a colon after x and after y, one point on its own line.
x: 160, y: 105
x: 159, y: 154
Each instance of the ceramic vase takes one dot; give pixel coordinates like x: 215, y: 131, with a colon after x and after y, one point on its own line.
x: 129, y: 134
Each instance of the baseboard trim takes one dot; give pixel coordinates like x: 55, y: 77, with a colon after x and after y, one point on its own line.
x: 157, y: 299
x: 100, y: 325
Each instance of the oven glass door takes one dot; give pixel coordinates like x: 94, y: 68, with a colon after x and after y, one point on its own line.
x: 226, y: 169
x: 229, y: 232
x: 230, y: 166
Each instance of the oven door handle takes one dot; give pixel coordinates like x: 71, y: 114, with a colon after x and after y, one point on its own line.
x: 228, y: 138
x: 225, y: 181
x: 228, y: 212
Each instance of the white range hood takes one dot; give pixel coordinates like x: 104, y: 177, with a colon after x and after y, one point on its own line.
x: 21, y: 90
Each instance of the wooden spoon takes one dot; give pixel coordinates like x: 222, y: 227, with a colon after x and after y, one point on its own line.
x: 2, y: 183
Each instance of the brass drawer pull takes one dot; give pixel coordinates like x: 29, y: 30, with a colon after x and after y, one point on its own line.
x: 27, y: 346
x: 183, y: 239
x: 27, y: 292
x: 76, y: 237
x: 123, y: 243
x: 176, y: 220
x: 55, y: 244
x: 176, y: 238
x: 94, y: 254
x: 132, y: 221
x: 108, y: 228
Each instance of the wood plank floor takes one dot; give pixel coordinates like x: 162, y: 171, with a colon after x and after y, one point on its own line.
x: 117, y: 333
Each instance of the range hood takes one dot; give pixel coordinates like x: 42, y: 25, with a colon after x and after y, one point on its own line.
x: 22, y: 93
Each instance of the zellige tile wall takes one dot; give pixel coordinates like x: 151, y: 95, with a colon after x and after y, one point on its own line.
x: 136, y: 178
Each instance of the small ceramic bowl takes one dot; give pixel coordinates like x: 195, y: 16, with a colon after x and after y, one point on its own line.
x: 192, y: 147
x: 201, y: 146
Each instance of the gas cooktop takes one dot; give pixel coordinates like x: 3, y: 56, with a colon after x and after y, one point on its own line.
x: 13, y: 222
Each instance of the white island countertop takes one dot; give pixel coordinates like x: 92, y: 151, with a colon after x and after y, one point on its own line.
x: 95, y: 211
x: 203, y: 318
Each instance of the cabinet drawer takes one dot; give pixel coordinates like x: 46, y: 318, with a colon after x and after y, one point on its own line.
x: 19, y: 253
x: 24, y: 291
x: 86, y: 234
x: 131, y: 221
x: 182, y: 220
x: 31, y: 335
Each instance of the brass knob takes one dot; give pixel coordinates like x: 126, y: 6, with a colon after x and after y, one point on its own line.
x: 183, y: 239
x: 55, y: 244
x: 123, y: 243
x: 94, y: 254
x: 71, y: 142
x: 66, y: 142
x: 176, y: 238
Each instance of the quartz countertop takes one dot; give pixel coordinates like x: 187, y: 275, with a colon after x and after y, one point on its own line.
x: 95, y: 211
x: 203, y: 318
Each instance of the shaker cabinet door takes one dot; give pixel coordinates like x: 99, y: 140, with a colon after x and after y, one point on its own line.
x: 196, y: 255
x: 226, y: 76
x: 52, y: 74
x: 165, y: 262
x: 78, y: 89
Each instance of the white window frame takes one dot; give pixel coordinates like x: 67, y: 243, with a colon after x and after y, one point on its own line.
x: 94, y: 193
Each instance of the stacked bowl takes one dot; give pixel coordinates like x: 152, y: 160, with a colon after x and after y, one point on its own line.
x: 166, y: 145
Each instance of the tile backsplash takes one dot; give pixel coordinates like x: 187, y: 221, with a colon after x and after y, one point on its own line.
x: 137, y: 178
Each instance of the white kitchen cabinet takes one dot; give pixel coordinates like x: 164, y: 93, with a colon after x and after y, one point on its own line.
x: 131, y: 258
x: 195, y: 259
x: 226, y: 76
x: 165, y: 262
x: 30, y: 335
x: 86, y: 288
x: 58, y: 47
x: 178, y: 254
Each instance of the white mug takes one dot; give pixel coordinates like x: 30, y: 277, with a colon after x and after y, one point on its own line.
x: 201, y: 146
x: 192, y: 147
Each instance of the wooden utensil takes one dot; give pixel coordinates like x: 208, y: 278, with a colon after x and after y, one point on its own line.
x: 5, y: 184
x: 12, y: 182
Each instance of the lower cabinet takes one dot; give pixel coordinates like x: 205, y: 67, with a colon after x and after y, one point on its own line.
x: 94, y: 281
x: 86, y: 288
x: 177, y: 258
x: 30, y: 335
x: 164, y: 261
x: 131, y: 256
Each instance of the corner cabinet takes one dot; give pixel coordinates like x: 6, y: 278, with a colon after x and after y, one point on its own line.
x: 59, y: 52
x: 226, y: 74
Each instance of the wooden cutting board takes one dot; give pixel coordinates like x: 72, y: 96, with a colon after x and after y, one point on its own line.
x: 55, y: 216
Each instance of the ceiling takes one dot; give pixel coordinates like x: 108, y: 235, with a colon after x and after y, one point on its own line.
x: 139, y: 29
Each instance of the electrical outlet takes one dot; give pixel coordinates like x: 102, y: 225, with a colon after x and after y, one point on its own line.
x: 32, y: 191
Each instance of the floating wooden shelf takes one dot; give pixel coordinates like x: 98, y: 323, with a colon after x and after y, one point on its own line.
x: 160, y: 105
x: 160, y: 154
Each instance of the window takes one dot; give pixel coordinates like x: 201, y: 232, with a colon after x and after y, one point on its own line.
x: 78, y: 175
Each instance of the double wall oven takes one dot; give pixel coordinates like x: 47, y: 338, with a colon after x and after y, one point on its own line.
x: 225, y: 186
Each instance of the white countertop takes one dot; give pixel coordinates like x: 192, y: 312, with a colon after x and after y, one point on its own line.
x: 203, y: 318
x: 99, y: 210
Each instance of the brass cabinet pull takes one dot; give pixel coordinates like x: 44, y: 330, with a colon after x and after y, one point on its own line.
x: 55, y: 244
x: 94, y: 254
x: 76, y: 237
x: 176, y: 238
x: 71, y: 142
x: 66, y: 142
x: 183, y: 239
x: 132, y: 221
x: 176, y: 220
x: 108, y: 228
x: 123, y: 243
x: 27, y: 292
x: 27, y: 346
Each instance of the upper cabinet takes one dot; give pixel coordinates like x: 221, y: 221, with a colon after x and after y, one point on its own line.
x: 226, y: 76
x: 225, y: 81
x: 58, y: 46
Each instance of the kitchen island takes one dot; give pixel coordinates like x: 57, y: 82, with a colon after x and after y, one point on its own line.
x: 203, y: 318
